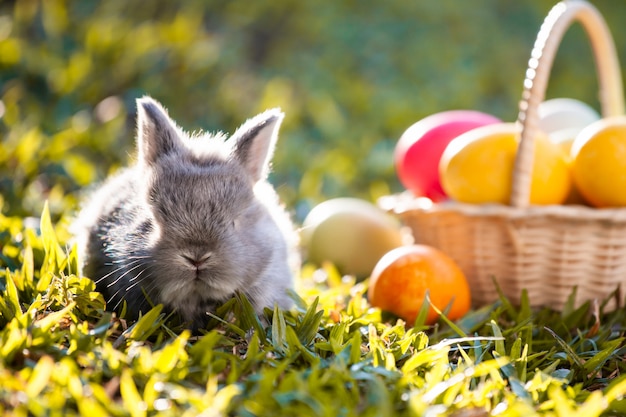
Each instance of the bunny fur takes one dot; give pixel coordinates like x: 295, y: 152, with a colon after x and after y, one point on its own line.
x: 192, y: 222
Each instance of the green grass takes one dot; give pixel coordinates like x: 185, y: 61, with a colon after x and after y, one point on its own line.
x: 62, y: 354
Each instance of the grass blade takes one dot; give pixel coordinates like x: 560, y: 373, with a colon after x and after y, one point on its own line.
x: 143, y: 328
x: 279, y: 332
x: 571, y: 355
x: 247, y: 316
x: 10, y: 303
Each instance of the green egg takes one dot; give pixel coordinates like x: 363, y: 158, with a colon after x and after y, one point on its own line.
x: 351, y: 233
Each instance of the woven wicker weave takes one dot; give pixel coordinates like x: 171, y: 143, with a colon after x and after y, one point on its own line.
x: 546, y: 250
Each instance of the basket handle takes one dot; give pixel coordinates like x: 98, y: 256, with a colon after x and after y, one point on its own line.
x: 611, y: 96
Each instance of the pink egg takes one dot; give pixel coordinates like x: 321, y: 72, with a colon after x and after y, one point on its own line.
x: 419, y: 149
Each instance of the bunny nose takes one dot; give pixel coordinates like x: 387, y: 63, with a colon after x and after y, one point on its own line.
x: 192, y: 261
x: 197, y: 261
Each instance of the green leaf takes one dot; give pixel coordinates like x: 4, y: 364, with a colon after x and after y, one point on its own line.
x: 172, y: 353
x: 308, y: 328
x: 130, y: 395
x: 51, y: 319
x: 575, y: 317
x: 422, y: 315
x: 336, y: 338
x: 506, y: 303
x: 595, y: 363
x: 486, y: 367
x: 10, y: 302
x: 294, y: 342
x: 40, y: 377
x: 614, y: 396
x: 247, y: 316
x: 516, y: 349
x: 144, y: 327
x: 571, y: 355
x: 525, y: 311
x: 500, y: 342
x: 446, y: 320
x: 570, y: 304
x: 355, y: 347
x: 224, y: 398
x: 425, y: 357
x: 28, y: 270
x: 233, y: 328
x: 45, y: 280
x: 203, y: 350
x: 279, y: 332
x: 53, y: 254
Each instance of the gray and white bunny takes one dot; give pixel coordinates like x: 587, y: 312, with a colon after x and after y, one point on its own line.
x: 192, y: 222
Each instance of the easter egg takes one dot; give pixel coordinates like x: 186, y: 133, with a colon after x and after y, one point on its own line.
x: 560, y: 114
x: 402, y: 278
x: 420, y: 147
x: 477, y: 167
x: 351, y: 233
x: 599, y: 162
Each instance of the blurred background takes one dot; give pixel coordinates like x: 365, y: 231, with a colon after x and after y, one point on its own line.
x: 351, y: 76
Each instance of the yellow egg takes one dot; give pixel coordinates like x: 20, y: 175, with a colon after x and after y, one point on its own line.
x: 477, y: 167
x: 599, y: 162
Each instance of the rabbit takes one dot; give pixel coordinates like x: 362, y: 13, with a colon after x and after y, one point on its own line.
x: 192, y: 222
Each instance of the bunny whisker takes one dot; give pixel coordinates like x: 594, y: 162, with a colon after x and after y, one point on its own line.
x: 130, y: 258
x: 119, y: 302
x: 134, y: 284
x: 110, y: 284
x: 114, y: 271
x: 110, y: 299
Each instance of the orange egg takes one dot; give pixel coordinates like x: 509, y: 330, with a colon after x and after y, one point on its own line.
x: 402, y: 277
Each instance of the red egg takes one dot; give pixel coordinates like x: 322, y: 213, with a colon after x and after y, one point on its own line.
x: 419, y: 149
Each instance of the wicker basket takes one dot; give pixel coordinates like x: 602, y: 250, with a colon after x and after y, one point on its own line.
x: 546, y: 250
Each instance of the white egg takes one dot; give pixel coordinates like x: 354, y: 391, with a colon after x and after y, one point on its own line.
x: 560, y: 114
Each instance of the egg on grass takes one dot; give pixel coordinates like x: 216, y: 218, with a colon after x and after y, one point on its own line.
x: 351, y: 233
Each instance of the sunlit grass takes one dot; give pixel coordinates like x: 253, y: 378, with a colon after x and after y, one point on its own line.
x: 61, y: 354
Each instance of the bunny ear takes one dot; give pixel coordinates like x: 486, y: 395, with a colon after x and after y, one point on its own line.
x: 157, y: 134
x: 253, y: 143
